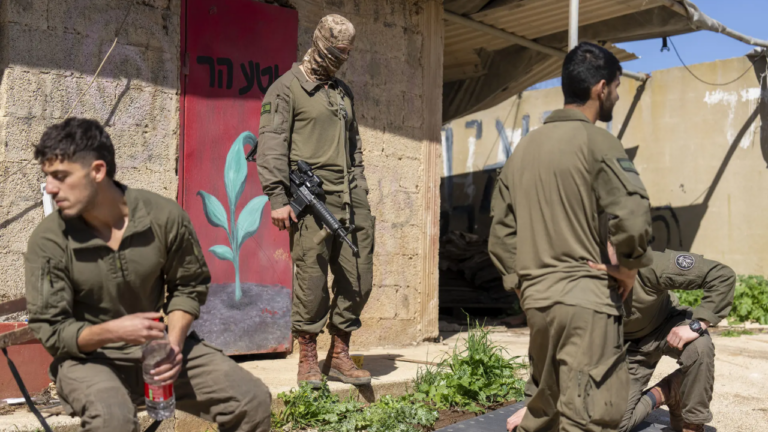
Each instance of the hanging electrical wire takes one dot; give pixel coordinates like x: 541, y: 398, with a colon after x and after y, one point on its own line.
x: 711, y: 83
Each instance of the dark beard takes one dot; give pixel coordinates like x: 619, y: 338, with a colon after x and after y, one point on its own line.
x: 606, y: 114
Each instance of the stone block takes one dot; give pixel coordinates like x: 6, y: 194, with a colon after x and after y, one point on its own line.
x: 399, y: 238
x: 145, y: 107
x: 12, y: 267
x: 164, y: 70
x: 175, y: 6
x: 153, y: 149
x: 145, y: 26
x: 53, y: 51
x: 164, y: 183
x: 128, y: 63
x: 20, y: 135
x: 23, y: 92
x: 97, y: 102
x: 30, y: 13
x: 395, y: 206
x: 414, y: 110
x: 407, y: 304
x: 387, y: 332
x: 382, y: 303
x: 406, y: 145
x: 408, y: 270
x: 18, y: 221
x: 157, y: 4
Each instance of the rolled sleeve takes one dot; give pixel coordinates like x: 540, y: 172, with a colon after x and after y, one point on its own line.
x: 186, y: 304
x: 186, y: 272
x: 50, y: 301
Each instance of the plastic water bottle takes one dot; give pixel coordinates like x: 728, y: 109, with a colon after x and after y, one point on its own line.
x: 160, y: 400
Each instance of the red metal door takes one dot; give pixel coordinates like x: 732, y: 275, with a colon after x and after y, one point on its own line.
x: 232, y: 50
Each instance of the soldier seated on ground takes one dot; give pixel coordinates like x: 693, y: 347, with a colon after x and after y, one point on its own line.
x: 99, y: 270
x: 659, y: 326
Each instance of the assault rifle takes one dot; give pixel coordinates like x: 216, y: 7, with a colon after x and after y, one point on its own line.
x: 305, y: 188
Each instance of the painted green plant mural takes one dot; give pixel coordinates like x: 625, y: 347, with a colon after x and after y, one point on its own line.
x: 246, y: 225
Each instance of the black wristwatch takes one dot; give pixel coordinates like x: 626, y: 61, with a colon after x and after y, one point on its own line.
x: 695, y: 326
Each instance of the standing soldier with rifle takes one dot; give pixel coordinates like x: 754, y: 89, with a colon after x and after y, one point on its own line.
x: 308, y: 116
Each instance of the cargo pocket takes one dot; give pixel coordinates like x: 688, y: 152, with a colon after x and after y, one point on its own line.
x: 571, y: 404
x: 607, y: 391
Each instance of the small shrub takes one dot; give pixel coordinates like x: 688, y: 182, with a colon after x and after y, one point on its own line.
x: 750, y: 300
x: 472, y: 378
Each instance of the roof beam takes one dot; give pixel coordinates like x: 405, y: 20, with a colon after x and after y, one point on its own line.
x: 718, y: 26
x: 515, y: 39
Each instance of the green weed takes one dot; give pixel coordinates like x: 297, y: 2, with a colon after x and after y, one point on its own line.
x: 736, y: 333
x: 472, y: 377
x: 750, y: 300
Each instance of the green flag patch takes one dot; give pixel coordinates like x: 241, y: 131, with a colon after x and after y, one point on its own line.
x: 266, y: 108
x: 627, y: 165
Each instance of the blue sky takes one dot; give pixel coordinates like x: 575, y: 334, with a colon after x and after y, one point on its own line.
x: 745, y: 16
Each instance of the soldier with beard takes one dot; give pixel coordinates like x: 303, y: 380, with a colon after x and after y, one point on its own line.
x: 308, y: 115
x: 561, y: 178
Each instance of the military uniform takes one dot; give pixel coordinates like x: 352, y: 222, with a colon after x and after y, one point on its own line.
x: 655, y: 311
x: 75, y: 280
x: 545, y: 229
x: 305, y: 120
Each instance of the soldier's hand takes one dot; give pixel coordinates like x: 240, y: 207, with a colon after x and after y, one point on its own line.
x: 516, y: 419
x: 624, y: 276
x: 136, y: 329
x: 281, y: 218
x: 680, y: 336
x: 167, y: 370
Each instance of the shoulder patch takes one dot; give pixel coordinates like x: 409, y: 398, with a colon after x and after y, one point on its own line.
x: 627, y: 165
x: 685, y: 262
x: 266, y: 108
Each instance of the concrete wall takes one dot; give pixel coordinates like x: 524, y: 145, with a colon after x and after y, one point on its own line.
x: 50, y: 50
x: 701, y: 152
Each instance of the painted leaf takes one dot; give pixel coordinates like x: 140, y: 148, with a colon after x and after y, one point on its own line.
x: 236, y: 168
x: 223, y: 253
x: 214, y: 211
x: 250, y: 219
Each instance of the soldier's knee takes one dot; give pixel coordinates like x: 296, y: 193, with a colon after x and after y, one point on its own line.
x: 700, y: 351
x: 110, y: 416
x: 706, y: 348
x: 255, y: 402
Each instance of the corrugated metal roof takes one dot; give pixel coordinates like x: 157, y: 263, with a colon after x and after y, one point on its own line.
x: 530, y: 19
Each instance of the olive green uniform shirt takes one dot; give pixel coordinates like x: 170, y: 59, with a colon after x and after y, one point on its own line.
x: 652, y: 302
x: 304, y: 120
x: 75, y: 280
x: 548, y: 198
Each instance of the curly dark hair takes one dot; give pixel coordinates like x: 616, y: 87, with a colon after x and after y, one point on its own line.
x: 77, y: 140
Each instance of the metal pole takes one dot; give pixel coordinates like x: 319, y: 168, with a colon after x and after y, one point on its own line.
x: 573, y: 25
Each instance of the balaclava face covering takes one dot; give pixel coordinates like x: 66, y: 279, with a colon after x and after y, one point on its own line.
x: 323, y: 60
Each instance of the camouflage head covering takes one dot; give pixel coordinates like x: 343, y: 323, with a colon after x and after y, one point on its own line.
x: 323, y: 60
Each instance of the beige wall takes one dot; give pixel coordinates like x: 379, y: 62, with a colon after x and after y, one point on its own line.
x: 682, y: 131
x: 50, y: 51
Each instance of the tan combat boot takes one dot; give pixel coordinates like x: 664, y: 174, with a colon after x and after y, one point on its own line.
x: 339, y: 366
x: 667, y: 392
x: 309, y: 371
x: 687, y: 427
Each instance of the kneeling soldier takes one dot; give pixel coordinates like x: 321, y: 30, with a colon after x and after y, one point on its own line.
x: 659, y: 326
